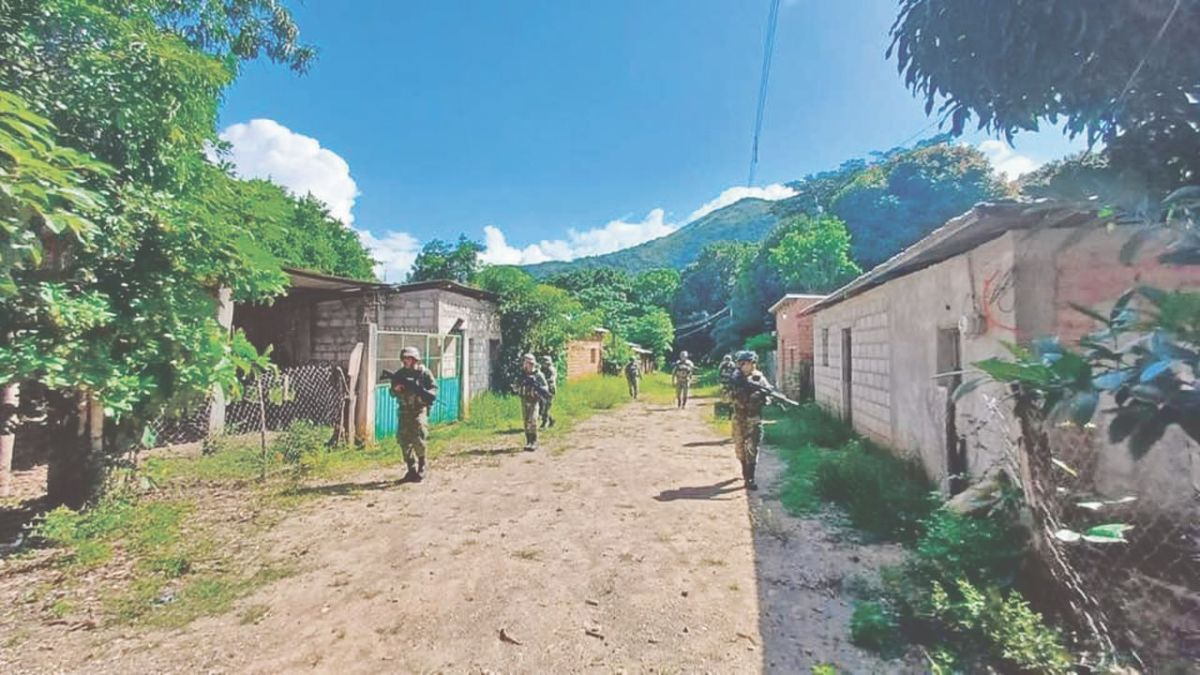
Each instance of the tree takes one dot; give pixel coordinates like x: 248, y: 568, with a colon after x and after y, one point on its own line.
x: 706, y: 289
x: 891, y: 205
x: 656, y: 287
x: 604, y: 290
x: 441, y: 260
x: 653, y: 330
x: 114, y: 104
x: 814, y: 255
x: 534, y: 318
x: 1119, y: 73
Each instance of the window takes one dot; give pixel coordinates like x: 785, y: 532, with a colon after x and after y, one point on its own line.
x: 825, y: 346
x: 593, y: 355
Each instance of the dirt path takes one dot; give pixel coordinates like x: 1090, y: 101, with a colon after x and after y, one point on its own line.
x: 633, y: 550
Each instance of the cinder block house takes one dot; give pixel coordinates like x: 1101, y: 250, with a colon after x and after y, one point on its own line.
x: 794, y: 343
x: 1002, y: 272
x: 322, y: 318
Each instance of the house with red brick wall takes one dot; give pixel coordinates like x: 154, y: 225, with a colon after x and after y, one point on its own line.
x: 886, y: 345
x: 794, y: 344
x: 585, y: 356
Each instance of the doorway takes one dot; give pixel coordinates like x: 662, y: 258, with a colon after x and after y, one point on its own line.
x: 949, y: 368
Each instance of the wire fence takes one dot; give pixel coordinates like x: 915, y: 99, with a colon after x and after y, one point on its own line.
x: 314, y: 392
x: 1135, y: 601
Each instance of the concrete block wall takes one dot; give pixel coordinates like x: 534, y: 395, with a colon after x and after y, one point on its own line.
x: 411, y: 311
x: 870, y: 370
x: 336, y: 327
x: 481, y: 320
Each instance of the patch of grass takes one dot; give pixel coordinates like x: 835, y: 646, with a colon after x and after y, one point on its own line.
x: 881, y: 494
x: 658, y: 388
x: 873, y: 627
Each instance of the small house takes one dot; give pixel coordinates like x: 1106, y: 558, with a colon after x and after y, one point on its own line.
x: 585, y: 356
x: 889, y: 345
x: 794, y: 344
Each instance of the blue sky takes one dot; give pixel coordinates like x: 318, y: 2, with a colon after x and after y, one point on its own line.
x: 566, y: 127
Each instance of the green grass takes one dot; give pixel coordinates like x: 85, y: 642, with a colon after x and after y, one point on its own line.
x: 883, y: 495
x: 657, y: 388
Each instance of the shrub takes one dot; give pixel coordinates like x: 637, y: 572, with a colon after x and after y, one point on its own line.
x: 882, y: 494
x: 874, y: 627
x: 998, y: 627
x: 301, y: 438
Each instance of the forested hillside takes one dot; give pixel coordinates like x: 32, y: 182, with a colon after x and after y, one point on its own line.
x: 747, y: 220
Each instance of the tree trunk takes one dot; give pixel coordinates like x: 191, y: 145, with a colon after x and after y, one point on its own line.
x: 74, y: 474
x: 10, y: 398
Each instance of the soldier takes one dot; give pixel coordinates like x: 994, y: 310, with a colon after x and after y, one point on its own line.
x: 682, y: 377
x: 632, y: 374
x: 551, y: 375
x: 415, y: 390
x: 748, y: 403
x: 531, y: 387
x: 725, y: 372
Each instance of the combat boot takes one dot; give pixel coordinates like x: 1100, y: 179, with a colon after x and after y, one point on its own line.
x: 529, y: 442
x: 412, y: 476
x: 420, y: 468
x: 748, y: 473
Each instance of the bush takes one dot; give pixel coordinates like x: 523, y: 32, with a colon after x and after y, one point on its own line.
x: 874, y: 627
x: 301, y: 438
x: 997, y: 627
x: 882, y: 494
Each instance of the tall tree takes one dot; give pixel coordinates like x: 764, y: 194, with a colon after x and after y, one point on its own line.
x: 814, y: 255
x: 656, y: 287
x: 441, y: 260
x: 117, y: 304
x: 1125, y: 74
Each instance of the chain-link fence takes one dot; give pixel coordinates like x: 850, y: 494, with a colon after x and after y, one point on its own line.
x: 315, y: 392
x: 1136, y: 600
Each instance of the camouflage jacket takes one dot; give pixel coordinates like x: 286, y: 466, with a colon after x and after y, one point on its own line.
x: 747, y: 401
x: 632, y: 371
x: 551, y: 375
x: 410, y: 400
x: 525, y: 389
x: 683, y: 371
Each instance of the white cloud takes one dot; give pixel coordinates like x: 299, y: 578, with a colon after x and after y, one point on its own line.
x: 733, y: 195
x: 264, y: 148
x: 1006, y: 160
x: 614, y: 235
x: 394, y: 253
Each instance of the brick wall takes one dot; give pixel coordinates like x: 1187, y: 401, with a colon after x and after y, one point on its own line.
x: 335, y: 329
x: 794, y: 341
x: 584, y: 357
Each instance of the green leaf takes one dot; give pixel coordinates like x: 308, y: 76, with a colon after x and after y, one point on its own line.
x: 1109, y: 533
x: 1082, y: 407
x: 1069, y: 536
x: 1089, y: 312
x: 1008, y: 371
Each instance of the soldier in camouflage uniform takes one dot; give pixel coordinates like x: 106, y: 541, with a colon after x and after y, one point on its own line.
x: 414, y: 410
x: 632, y: 375
x: 682, y: 377
x: 747, y: 413
x: 551, y: 375
x: 725, y: 372
x: 532, y: 388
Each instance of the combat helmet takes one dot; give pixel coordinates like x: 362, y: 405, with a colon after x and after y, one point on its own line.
x: 683, y: 355
x: 547, y: 359
x: 530, y: 358
x: 746, y: 355
x: 410, y: 352
x: 728, y: 358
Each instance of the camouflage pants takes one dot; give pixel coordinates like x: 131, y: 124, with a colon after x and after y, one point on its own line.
x: 544, y: 409
x: 633, y: 386
x: 747, y: 434
x: 529, y: 410
x: 413, y: 431
x: 682, y: 389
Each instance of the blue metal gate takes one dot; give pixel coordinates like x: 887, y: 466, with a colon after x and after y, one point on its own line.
x: 442, y: 355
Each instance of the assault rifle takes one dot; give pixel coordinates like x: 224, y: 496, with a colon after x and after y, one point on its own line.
x: 761, y: 387
x: 410, y: 383
x: 528, y: 380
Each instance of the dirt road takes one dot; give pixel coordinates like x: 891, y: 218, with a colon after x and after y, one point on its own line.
x: 633, y: 549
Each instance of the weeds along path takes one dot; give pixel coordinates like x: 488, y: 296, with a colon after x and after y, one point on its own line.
x: 629, y: 546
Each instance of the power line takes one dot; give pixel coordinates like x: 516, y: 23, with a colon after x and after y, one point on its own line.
x: 768, y: 52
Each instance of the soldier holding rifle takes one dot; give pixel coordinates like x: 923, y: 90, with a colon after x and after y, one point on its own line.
x: 415, y: 390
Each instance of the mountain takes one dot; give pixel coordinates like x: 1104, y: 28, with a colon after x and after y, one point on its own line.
x: 746, y: 220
